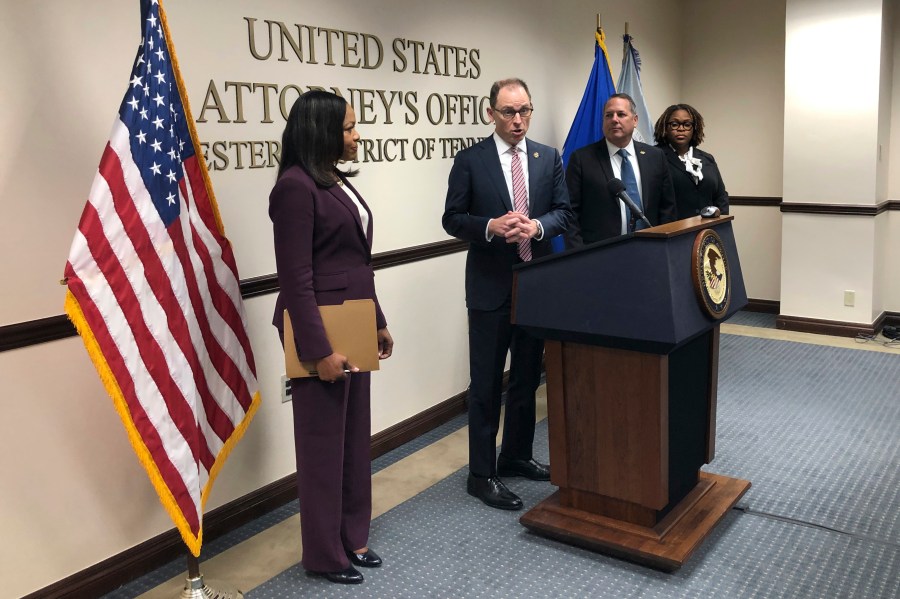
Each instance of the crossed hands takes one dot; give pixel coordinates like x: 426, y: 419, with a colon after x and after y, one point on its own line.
x: 513, y: 226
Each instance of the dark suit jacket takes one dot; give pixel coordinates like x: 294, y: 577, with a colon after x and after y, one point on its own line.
x: 691, y: 197
x: 477, y: 192
x: 322, y: 255
x: 597, y: 214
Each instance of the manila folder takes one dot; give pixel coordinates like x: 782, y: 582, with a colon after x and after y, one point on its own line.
x: 350, y: 328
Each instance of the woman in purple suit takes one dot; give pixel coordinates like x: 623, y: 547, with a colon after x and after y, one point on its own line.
x: 323, y: 252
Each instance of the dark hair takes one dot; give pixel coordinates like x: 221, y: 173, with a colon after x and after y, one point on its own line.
x: 498, y: 85
x: 313, y: 137
x: 659, y: 130
x: 623, y: 97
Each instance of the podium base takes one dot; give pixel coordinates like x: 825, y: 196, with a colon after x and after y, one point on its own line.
x: 665, y: 546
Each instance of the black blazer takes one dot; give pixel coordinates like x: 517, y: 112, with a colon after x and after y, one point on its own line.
x: 597, y: 214
x: 477, y: 192
x: 691, y: 197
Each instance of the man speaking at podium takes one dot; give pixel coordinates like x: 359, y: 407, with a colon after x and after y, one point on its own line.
x: 507, y: 197
x: 599, y: 214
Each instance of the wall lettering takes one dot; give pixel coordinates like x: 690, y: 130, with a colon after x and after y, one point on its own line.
x: 241, y: 102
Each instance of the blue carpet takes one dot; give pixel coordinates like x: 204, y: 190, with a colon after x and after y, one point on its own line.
x: 444, y: 544
x: 753, y: 319
x: 814, y: 428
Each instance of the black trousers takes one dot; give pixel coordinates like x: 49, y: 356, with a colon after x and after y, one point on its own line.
x: 490, y: 337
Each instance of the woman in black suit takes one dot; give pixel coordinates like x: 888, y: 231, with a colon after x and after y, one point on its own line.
x: 694, y: 172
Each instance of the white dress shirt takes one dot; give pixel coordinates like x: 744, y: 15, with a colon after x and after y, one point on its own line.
x: 506, y: 165
x: 363, y: 213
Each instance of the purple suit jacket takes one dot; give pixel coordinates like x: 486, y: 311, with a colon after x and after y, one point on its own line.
x: 322, y: 254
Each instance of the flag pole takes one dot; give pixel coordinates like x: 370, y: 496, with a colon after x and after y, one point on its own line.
x: 195, y: 588
x: 626, y: 27
x: 599, y: 26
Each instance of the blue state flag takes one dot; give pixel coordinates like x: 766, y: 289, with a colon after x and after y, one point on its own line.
x: 630, y: 83
x: 588, y: 124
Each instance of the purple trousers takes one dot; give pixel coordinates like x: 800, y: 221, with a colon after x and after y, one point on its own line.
x: 332, y: 429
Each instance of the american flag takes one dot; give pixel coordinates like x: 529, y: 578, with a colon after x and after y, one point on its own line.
x: 153, y: 289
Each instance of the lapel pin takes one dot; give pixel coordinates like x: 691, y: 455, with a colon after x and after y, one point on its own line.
x: 643, y: 152
x: 536, y: 155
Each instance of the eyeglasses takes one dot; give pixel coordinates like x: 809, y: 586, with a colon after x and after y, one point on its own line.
x: 509, y: 114
x: 687, y: 125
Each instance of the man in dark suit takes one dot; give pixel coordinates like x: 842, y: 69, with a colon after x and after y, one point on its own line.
x: 507, y: 197
x: 598, y: 214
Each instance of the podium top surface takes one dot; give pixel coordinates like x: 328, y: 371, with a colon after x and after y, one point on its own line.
x: 681, y: 227
x: 632, y: 292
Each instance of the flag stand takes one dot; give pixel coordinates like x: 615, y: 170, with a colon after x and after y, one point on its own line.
x: 195, y: 588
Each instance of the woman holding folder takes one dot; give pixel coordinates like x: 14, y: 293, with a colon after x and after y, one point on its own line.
x: 323, y: 252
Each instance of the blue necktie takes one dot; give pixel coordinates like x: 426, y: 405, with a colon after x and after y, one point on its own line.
x: 631, y: 187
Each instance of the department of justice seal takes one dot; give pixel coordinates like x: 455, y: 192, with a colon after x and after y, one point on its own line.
x: 710, y: 272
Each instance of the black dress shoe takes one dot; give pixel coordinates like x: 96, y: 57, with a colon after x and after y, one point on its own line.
x: 369, y: 559
x: 349, y: 576
x: 529, y: 468
x: 493, y: 492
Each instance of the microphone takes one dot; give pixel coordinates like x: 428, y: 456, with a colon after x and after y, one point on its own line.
x: 616, y: 188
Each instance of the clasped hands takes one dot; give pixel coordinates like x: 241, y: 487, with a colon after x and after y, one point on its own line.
x: 513, y: 226
x: 334, y: 367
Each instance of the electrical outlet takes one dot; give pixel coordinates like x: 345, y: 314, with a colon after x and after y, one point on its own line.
x: 285, y: 389
x: 849, y: 298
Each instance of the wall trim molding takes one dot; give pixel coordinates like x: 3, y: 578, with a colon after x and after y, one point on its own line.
x: 819, y: 326
x: 804, y: 208
x: 113, y: 572
x: 753, y: 201
x: 840, y: 209
x: 53, y: 328
x: 34, y: 332
x: 829, y: 327
x: 763, y: 305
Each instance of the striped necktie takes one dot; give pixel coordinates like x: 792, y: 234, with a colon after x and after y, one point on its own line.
x: 520, y: 200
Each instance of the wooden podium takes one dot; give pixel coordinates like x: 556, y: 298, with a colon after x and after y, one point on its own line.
x: 632, y: 370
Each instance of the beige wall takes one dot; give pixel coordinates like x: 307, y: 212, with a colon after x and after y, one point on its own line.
x: 734, y: 75
x: 890, y: 241
x: 825, y: 256
x: 757, y: 231
x: 889, y: 265
x: 650, y: 22
x: 893, y: 150
x: 815, y: 110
